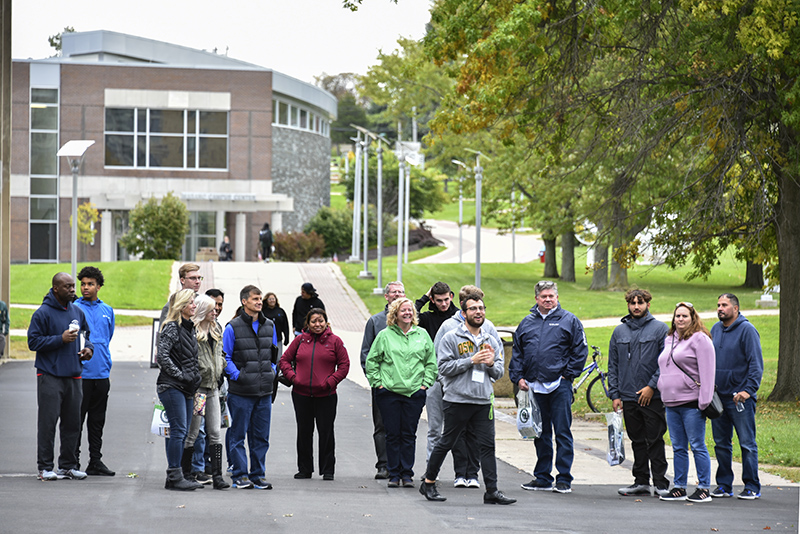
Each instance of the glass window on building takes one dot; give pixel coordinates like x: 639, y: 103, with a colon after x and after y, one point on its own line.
x: 43, y: 206
x: 202, y: 233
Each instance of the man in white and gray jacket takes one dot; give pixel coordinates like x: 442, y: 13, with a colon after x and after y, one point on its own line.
x: 469, y: 358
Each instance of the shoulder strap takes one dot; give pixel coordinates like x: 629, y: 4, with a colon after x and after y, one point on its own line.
x: 678, y: 366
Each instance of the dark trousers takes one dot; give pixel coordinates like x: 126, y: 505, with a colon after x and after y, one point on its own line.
x: 400, y: 417
x: 378, y: 433
x: 58, y: 398
x: 556, y: 408
x: 93, y: 413
x: 471, y: 421
x: 309, y: 411
x: 646, y: 426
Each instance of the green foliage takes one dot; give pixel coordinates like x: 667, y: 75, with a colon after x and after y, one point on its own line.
x: 335, y: 226
x: 87, y: 214
x: 298, y: 246
x: 348, y: 112
x: 157, y: 230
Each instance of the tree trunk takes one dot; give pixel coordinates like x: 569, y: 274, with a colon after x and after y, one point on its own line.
x: 600, y: 272
x: 618, y: 281
x: 754, y: 276
x: 568, y: 256
x: 787, y: 387
x: 550, y: 265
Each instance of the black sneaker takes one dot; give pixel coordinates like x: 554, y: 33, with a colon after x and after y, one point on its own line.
x: 242, y: 483
x: 676, y: 494
x: 562, y: 487
x: 261, y: 483
x: 721, y: 493
x: 98, y: 468
x: 203, y: 478
x: 635, y: 489
x: 749, y: 495
x: 700, y: 495
x: 537, y: 485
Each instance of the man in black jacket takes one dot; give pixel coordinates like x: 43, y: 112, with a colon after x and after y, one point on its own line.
x: 250, y: 346
x: 440, y: 308
x: 632, y: 379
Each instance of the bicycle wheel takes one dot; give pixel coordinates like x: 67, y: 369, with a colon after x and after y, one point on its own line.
x: 597, y: 398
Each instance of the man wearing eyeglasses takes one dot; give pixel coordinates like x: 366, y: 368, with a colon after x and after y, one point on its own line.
x: 469, y: 359
x: 549, y: 352
x: 632, y: 379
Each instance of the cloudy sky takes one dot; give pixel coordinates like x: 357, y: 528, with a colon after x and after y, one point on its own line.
x: 301, y: 38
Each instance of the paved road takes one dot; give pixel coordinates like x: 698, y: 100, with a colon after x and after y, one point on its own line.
x: 353, y: 503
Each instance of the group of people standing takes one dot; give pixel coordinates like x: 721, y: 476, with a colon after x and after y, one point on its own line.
x: 446, y: 358
x: 664, y: 377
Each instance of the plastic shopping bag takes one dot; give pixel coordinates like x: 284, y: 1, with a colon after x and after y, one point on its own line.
x: 529, y: 418
x: 616, y: 444
x: 159, y: 425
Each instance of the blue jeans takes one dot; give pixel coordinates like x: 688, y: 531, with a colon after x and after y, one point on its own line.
x: 400, y: 417
x: 178, y: 406
x: 250, y: 418
x: 687, y: 427
x: 556, y: 408
x: 745, y: 424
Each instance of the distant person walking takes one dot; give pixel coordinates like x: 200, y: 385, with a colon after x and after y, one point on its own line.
x: 265, y: 241
x: 740, y: 367
x: 225, y: 250
x: 5, y: 325
x: 273, y: 311
x: 315, y: 363
x: 303, y: 304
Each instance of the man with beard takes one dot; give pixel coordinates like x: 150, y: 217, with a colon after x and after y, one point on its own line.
x: 740, y: 367
x: 469, y: 358
x: 632, y: 378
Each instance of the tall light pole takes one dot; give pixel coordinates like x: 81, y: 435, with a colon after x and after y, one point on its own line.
x: 356, y: 201
x: 478, y: 186
x: 379, y: 290
x: 460, y: 211
x: 513, y: 229
x: 74, y: 152
x: 365, y: 153
x: 400, y: 203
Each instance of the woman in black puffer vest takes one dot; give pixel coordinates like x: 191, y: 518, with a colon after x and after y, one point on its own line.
x: 178, y: 380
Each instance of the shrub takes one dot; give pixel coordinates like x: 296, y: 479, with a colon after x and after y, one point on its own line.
x: 336, y: 227
x: 297, y: 246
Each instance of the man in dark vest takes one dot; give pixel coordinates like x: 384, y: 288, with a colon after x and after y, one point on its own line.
x: 250, y: 346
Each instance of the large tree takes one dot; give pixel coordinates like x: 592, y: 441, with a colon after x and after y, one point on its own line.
x: 707, y: 86
x: 157, y: 230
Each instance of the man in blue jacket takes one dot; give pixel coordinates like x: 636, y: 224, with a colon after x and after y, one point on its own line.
x: 739, y: 370
x: 54, y: 334
x: 632, y: 379
x: 549, y: 352
x: 96, y: 372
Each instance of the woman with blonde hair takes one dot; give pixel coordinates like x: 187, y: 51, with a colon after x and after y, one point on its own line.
x: 401, y: 366
x: 212, y: 364
x: 687, y: 366
x: 178, y: 380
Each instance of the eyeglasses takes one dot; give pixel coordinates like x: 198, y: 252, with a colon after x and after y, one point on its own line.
x: 476, y: 308
x: 687, y: 304
x: 195, y: 278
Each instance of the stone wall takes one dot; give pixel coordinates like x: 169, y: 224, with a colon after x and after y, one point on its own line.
x: 301, y: 169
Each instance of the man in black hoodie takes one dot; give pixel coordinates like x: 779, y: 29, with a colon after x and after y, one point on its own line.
x: 54, y: 334
x: 632, y: 378
x: 439, y: 299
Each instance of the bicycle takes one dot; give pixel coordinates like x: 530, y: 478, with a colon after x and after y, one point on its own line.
x: 596, y: 396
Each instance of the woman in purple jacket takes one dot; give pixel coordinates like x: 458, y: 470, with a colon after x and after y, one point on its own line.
x: 315, y: 362
x: 686, y: 382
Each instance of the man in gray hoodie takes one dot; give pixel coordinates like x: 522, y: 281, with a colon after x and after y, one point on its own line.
x: 632, y: 379
x: 469, y: 358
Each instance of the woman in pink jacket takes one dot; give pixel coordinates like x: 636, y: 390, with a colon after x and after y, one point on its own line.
x: 686, y: 382
x: 315, y: 362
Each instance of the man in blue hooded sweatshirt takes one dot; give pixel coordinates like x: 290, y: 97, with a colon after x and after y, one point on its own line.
x: 55, y: 335
x: 739, y: 370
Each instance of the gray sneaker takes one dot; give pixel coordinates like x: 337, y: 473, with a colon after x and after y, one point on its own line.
x: 72, y: 474
x: 49, y: 475
x: 635, y: 489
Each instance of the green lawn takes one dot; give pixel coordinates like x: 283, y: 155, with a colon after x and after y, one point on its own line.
x: 338, y: 196
x: 21, y: 318
x: 131, y: 285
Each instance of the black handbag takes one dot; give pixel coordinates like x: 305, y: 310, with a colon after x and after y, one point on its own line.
x: 714, y: 409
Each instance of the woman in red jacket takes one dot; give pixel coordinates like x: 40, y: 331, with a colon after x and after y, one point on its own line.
x: 315, y: 362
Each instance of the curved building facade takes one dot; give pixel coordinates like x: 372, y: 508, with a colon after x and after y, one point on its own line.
x: 240, y: 144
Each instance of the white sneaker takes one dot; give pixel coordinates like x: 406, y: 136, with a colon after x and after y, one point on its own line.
x: 460, y: 482
x: 49, y: 475
x: 473, y: 483
x: 73, y: 474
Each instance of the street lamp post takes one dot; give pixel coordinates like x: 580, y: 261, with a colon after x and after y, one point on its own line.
x: 365, y: 153
x: 356, y: 201
x: 74, y: 152
x: 478, y: 186
x: 460, y: 210
x: 379, y: 201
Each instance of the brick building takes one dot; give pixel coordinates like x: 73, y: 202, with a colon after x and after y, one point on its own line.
x: 238, y: 143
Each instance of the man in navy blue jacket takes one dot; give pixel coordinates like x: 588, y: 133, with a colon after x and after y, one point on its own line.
x: 55, y: 335
x: 739, y: 370
x: 548, y: 354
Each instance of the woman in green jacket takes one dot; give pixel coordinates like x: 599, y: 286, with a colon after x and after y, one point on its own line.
x: 401, y: 366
